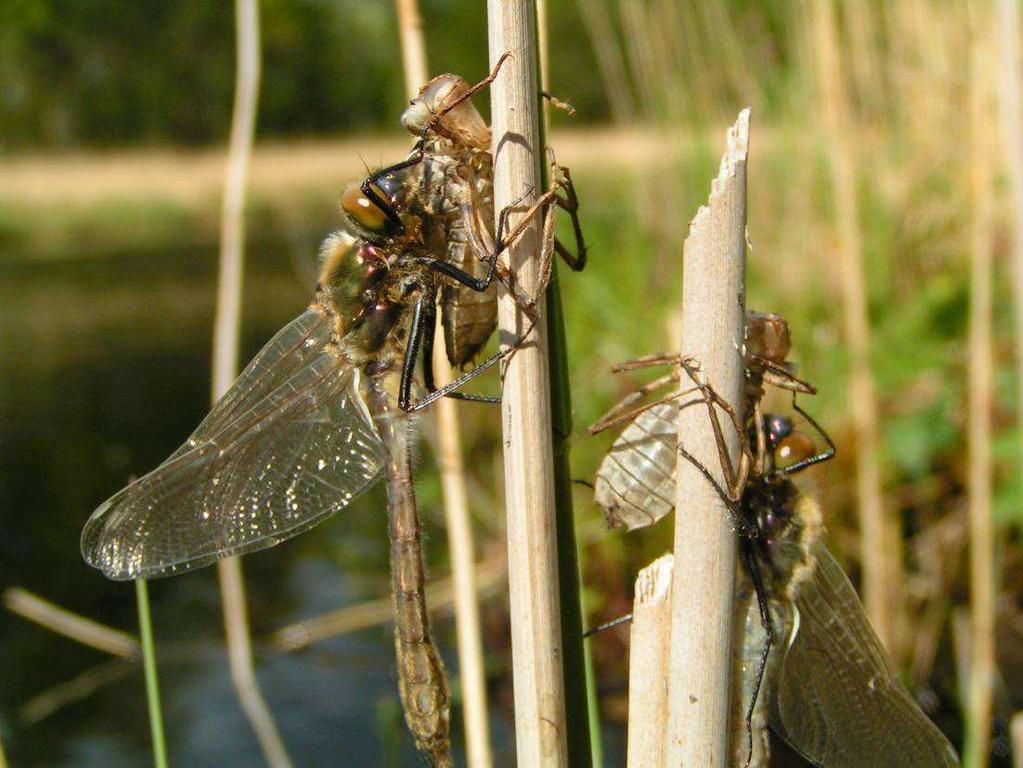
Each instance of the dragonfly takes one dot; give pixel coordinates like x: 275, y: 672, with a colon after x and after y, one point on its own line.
x: 830, y: 690
x: 446, y: 182
x: 832, y: 694
x: 318, y: 416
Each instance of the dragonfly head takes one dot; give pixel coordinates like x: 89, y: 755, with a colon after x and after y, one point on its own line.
x: 367, y: 211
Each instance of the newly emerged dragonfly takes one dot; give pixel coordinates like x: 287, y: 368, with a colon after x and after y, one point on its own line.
x: 313, y: 421
x: 829, y: 690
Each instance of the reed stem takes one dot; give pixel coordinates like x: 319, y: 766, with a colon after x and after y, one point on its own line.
x: 152, y: 681
x: 703, y: 586
x: 981, y: 380
x: 649, y: 656
x: 226, y: 333
x: 64, y: 622
x: 531, y: 501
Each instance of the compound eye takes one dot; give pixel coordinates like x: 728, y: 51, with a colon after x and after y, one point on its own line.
x: 794, y: 447
x: 364, y: 211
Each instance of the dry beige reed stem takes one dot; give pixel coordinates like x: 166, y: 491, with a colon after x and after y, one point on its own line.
x: 226, y: 332
x: 64, y: 622
x: 1010, y: 80
x: 78, y: 688
x: 703, y: 588
x: 450, y: 465
x: 881, y: 572
x: 982, y: 535
x: 540, y: 730
x: 649, y: 654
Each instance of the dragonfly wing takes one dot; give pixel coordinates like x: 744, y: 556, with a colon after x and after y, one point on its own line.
x: 836, y: 699
x: 290, y: 349
x: 636, y: 481
x: 290, y: 444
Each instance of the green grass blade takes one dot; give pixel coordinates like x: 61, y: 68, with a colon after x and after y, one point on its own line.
x: 152, y: 682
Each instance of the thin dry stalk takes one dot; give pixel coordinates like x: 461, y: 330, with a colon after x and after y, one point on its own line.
x: 413, y: 46
x: 540, y: 728
x: 982, y: 534
x: 451, y: 467
x: 72, y: 625
x: 78, y: 688
x: 226, y: 333
x: 352, y: 618
x: 703, y: 588
x: 1010, y: 79
x: 649, y: 655
x: 881, y: 573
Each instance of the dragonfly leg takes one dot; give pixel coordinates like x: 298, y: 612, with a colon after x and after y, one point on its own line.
x: 423, y: 322
x: 648, y: 361
x: 570, y: 204
x: 622, y: 410
x: 818, y: 458
x: 490, y: 362
x: 782, y: 377
x: 422, y: 332
x: 735, y: 477
x: 756, y: 577
x: 733, y: 506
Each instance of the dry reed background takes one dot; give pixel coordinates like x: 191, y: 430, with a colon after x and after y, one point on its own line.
x: 907, y: 97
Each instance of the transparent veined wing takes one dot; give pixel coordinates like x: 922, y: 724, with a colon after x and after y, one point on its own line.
x: 835, y: 698
x: 288, y: 445
x: 636, y: 481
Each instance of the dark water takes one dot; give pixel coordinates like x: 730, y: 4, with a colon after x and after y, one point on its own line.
x: 105, y: 370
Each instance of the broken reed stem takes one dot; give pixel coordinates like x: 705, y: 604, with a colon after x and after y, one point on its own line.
x: 152, y: 681
x: 881, y: 585
x: 540, y: 726
x: 703, y: 587
x: 649, y: 654
x: 64, y: 622
x: 582, y: 708
x: 226, y: 332
x: 982, y: 535
x: 471, y: 669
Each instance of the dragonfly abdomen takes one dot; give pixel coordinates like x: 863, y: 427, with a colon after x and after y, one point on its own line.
x: 422, y: 682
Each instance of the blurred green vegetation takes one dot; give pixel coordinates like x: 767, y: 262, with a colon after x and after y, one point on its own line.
x: 108, y: 73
